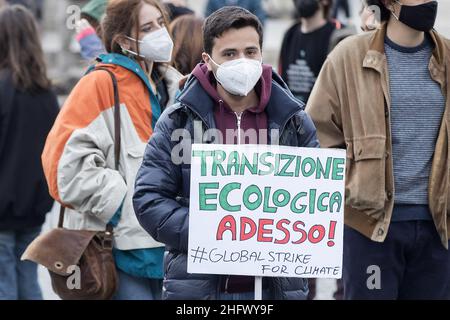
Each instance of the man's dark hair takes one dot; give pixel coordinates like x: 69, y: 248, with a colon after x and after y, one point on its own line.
x: 228, y: 18
x: 385, y: 12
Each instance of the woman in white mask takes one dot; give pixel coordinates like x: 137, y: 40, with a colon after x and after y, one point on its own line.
x: 79, y: 157
x: 151, y: 45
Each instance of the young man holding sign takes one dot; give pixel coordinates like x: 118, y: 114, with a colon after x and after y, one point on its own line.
x: 238, y: 100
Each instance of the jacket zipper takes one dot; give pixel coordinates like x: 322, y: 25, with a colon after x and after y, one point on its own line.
x: 239, y: 121
x: 189, y: 84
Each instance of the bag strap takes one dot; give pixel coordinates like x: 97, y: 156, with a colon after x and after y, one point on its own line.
x: 117, y: 140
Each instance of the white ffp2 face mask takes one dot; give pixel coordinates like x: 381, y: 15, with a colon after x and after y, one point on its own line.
x: 156, y: 46
x: 239, y: 76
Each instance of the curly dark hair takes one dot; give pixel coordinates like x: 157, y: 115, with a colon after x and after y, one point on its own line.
x: 226, y: 18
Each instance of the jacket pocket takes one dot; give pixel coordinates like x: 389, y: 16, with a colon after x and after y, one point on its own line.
x: 365, y: 173
x: 133, y: 160
x: 136, y: 152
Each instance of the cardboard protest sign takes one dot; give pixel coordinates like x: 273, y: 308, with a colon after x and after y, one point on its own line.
x: 262, y: 210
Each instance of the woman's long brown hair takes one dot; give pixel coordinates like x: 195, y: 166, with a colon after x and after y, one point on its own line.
x: 20, y: 49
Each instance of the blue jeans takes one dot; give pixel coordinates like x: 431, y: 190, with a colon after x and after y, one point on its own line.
x: 18, y: 279
x: 411, y: 264
x: 134, y: 288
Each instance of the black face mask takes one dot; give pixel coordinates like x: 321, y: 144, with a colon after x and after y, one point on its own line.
x: 306, y: 8
x: 421, y: 17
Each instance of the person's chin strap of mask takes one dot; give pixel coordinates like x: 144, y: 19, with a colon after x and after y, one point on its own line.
x: 130, y: 51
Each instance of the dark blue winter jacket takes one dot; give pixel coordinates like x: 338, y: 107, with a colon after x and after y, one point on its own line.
x: 161, y: 199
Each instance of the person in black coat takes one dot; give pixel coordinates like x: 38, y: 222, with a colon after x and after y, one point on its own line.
x: 28, y: 109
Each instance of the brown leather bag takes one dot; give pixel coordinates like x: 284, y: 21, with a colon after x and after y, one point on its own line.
x: 64, y: 251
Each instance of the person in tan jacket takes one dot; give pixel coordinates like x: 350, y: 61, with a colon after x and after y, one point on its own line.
x: 383, y: 96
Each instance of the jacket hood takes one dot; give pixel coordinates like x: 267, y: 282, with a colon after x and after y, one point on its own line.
x: 278, y: 102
